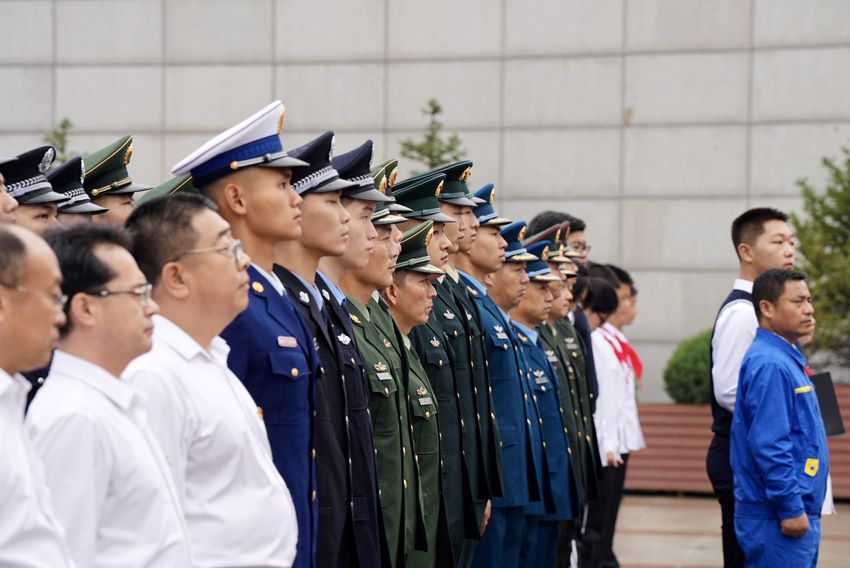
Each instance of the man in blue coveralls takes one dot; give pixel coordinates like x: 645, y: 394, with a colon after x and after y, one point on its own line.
x: 779, y: 454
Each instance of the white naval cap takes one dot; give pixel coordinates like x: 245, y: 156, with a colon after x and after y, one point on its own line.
x: 253, y: 142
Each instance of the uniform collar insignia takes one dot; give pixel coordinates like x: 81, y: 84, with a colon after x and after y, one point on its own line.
x: 449, y: 315
x: 380, y: 367
x: 355, y: 319
x: 522, y: 338
x: 344, y: 339
x: 387, y: 343
x: 421, y: 391
x: 468, y: 316
x: 499, y: 329
x: 304, y: 297
x: 435, y: 342
x: 538, y: 373
x: 326, y: 296
x: 472, y: 290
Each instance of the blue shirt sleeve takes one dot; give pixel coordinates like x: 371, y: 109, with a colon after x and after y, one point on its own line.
x: 770, y: 405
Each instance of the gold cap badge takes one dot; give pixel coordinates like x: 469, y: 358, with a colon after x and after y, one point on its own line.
x: 128, y: 155
x: 545, y: 254
x: 439, y: 190
x: 521, y: 234
x: 466, y: 174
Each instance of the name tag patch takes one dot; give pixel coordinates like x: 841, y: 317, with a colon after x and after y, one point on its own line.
x: 285, y: 341
x: 425, y: 401
x: 385, y: 377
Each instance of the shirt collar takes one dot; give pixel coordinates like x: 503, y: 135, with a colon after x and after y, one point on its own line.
x: 475, y: 283
x: 527, y: 331
x: 314, y: 291
x: 272, y: 279
x: 452, y: 272
x: 13, y: 392
x: 170, y: 333
x: 337, y: 292
x: 783, y: 344
x: 74, y: 368
x: 743, y: 285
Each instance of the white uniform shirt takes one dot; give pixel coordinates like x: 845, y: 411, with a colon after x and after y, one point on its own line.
x: 632, y: 432
x: 30, y: 534
x: 617, y: 428
x: 734, y: 331
x: 238, y: 508
x: 112, y: 490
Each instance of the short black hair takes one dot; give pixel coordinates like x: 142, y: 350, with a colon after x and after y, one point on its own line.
x: 546, y: 219
x: 581, y: 292
x: 13, y: 257
x: 749, y: 225
x: 624, y: 277
x: 597, y: 270
x: 162, y: 230
x: 82, y: 270
x: 770, y: 285
x: 605, y: 300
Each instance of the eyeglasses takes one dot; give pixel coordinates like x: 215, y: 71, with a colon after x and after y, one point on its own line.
x: 235, y: 248
x: 59, y: 301
x: 143, y: 293
x: 579, y: 247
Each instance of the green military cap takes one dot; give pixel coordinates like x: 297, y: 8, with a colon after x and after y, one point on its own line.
x: 455, y: 190
x: 106, y: 170
x: 180, y: 183
x: 421, y: 195
x: 383, y: 216
x: 385, y: 175
x: 414, y: 250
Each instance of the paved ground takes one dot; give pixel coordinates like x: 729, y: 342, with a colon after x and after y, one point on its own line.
x: 666, y: 532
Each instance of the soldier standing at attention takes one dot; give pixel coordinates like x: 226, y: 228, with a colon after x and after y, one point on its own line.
x: 410, y: 300
x: 108, y: 183
x: 246, y: 172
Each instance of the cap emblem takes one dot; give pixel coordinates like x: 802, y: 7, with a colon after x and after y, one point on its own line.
x: 382, y: 187
x: 428, y: 237
x: 82, y: 171
x: 466, y: 174
x: 521, y: 234
x: 545, y: 254
x: 492, y: 196
x: 280, y: 120
x: 128, y: 155
x: 439, y: 190
x: 47, y: 160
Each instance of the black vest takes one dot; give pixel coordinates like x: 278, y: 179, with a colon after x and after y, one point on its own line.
x: 722, y: 418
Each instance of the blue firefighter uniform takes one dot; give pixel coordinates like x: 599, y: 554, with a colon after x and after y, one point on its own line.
x: 779, y: 454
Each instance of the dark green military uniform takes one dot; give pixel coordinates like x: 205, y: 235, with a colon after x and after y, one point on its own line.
x: 397, y: 475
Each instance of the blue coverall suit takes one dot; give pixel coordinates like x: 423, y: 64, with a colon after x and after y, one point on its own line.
x: 779, y: 454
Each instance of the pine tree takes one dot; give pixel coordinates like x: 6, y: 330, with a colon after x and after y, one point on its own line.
x: 58, y: 138
x: 433, y: 150
x: 824, y: 245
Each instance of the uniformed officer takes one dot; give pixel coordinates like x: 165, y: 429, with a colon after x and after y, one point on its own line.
x: 778, y: 448
x: 174, y: 185
x: 385, y: 175
x: 421, y: 194
x: 247, y: 173
x: 518, y: 423
x: 108, y: 183
x: 532, y: 310
x: 8, y: 204
x: 67, y: 179
x: 386, y: 376
x: 27, y: 183
x: 409, y: 300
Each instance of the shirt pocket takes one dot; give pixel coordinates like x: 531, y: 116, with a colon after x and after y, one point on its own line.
x: 804, y: 431
x: 425, y: 431
x: 382, y: 401
x: 286, y: 397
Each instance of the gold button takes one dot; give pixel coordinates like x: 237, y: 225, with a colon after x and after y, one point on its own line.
x: 544, y: 444
x: 570, y: 451
x: 417, y: 459
x: 478, y: 416
x: 427, y: 414
x: 525, y: 397
x: 386, y: 390
x: 475, y: 390
x: 461, y: 422
x: 294, y: 372
x: 405, y: 483
x: 505, y: 346
x: 440, y: 363
x: 543, y: 388
x: 528, y: 420
x: 314, y: 453
x: 492, y: 416
x: 403, y: 450
x: 314, y: 494
x: 541, y: 420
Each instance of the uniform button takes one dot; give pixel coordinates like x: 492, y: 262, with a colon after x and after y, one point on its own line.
x: 405, y: 483
x: 441, y: 463
x: 490, y: 389
x: 403, y: 450
x: 505, y: 346
x: 475, y: 390
x: 379, y: 493
x: 565, y: 430
x: 472, y: 364
x: 314, y: 453
x: 40, y: 380
x: 544, y: 444
x: 534, y: 397
x: 417, y: 459
x: 543, y: 388
x: 575, y: 354
x: 294, y: 372
x: 588, y: 438
x: 492, y: 416
x: 461, y: 422
x: 562, y: 409
x: 352, y: 361
x: 458, y: 396
x: 440, y: 363
x: 314, y: 494
x: 501, y: 445
x: 525, y: 397
x: 570, y: 451
x: 440, y: 434
x: 540, y: 420
x: 478, y: 416
x: 386, y: 390
x: 455, y: 333
x: 585, y: 418
x: 528, y: 421
x: 427, y: 414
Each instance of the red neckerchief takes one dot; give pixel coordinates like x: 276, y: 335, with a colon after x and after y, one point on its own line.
x: 626, y: 354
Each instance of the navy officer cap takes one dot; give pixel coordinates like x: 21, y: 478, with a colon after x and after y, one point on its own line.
x: 26, y: 180
x: 486, y: 215
x: 253, y: 142
x: 356, y: 167
x: 319, y: 176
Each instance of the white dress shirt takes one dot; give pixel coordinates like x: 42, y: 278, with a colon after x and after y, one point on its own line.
x: 112, y: 490
x: 30, y: 534
x: 632, y: 432
x: 238, y: 509
x: 734, y: 331
x: 617, y: 428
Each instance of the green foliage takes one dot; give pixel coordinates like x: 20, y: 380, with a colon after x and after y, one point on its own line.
x: 58, y: 138
x: 824, y: 250
x: 687, y: 377
x: 433, y: 150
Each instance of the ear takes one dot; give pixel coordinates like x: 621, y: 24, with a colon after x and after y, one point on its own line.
x: 81, y: 310
x: 767, y: 309
x: 390, y: 294
x: 745, y: 252
x: 488, y: 279
x: 234, y: 197
x: 172, y: 281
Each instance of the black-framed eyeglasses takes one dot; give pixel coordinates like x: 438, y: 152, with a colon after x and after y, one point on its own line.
x: 143, y: 293
x: 235, y: 248
x: 59, y: 301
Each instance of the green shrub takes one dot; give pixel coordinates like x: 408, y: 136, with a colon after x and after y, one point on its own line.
x: 687, y: 377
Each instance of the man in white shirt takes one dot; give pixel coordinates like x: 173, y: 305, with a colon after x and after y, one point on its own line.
x: 31, y: 313
x: 762, y: 240
x: 238, y: 509
x: 111, y: 486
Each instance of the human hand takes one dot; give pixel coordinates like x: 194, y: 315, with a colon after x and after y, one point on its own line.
x: 613, y: 460
x: 486, y: 519
x: 796, y: 527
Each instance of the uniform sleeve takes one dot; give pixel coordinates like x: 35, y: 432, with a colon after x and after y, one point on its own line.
x: 168, y: 418
x: 605, y: 417
x: 769, y: 404
x: 733, y: 333
x: 77, y: 464
x: 238, y: 341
